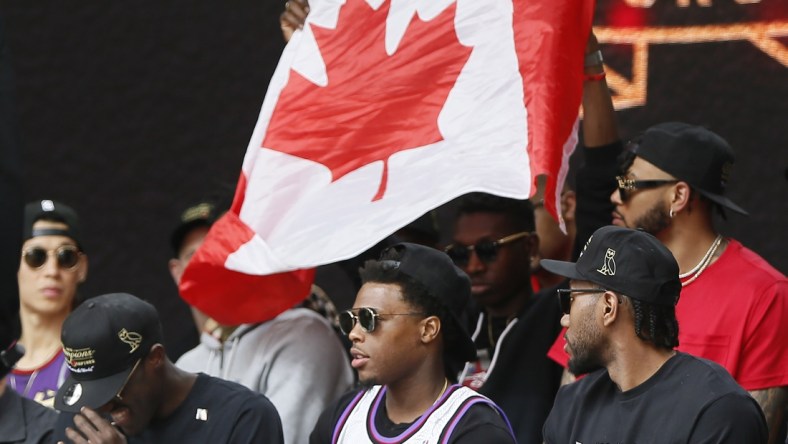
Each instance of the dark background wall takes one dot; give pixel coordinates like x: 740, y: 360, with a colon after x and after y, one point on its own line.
x: 129, y: 111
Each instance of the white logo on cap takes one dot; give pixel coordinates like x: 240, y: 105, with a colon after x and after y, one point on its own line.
x: 47, y: 205
x: 73, y: 394
x: 609, y: 265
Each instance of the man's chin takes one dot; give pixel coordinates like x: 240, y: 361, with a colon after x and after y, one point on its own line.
x: 367, y: 383
x: 580, y: 367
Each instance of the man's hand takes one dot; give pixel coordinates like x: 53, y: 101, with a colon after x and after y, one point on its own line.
x: 93, y: 429
x: 294, y: 17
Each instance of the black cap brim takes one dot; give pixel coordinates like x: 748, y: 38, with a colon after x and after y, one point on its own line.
x: 562, y: 268
x: 75, y: 394
x: 463, y: 349
x: 724, y: 201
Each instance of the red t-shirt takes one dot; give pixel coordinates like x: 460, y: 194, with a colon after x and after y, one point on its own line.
x: 736, y: 314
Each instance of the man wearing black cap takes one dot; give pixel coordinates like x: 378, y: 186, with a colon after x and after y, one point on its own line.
x: 621, y: 328
x: 734, y: 305
x: 52, y: 265
x: 119, y: 370
x: 408, y: 338
x: 185, y: 239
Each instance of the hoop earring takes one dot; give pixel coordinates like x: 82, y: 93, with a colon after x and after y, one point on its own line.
x: 671, y: 213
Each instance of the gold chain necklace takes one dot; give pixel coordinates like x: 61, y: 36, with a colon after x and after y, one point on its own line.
x: 445, y: 385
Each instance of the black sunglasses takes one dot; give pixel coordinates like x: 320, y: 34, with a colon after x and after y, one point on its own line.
x: 367, y: 317
x: 565, y: 296
x: 67, y: 256
x: 626, y: 186
x: 486, y: 250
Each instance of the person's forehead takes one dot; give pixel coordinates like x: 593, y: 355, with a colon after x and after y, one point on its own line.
x: 380, y: 296
x: 471, y: 227
x: 194, y: 236
x: 49, y: 240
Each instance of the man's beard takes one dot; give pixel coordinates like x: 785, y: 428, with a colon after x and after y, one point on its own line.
x: 656, y: 219
x: 587, y: 350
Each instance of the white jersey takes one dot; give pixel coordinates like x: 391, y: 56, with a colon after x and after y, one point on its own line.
x: 357, y: 423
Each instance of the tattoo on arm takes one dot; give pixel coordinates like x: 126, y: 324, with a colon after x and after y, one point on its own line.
x: 773, y: 403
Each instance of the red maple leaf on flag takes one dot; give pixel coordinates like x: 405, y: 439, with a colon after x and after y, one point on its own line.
x: 373, y: 105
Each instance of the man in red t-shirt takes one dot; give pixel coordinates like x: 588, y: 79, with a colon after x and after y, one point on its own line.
x: 733, y: 305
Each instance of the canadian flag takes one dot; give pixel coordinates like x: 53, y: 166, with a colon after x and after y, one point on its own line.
x: 379, y: 111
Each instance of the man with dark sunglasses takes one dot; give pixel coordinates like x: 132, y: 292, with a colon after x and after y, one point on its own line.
x: 52, y: 266
x: 516, y: 325
x: 734, y: 305
x: 621, y: 329
x: 122, y: 387
x: 408, y: 339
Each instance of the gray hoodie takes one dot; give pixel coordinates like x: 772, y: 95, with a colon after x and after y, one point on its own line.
x: 295, y: 360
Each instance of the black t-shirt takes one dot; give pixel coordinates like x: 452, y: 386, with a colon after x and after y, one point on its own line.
x: 218, y: 411
x: 214, y: 411
x: 481, y: 423
x: 23, y: 420
x: 688, y: 400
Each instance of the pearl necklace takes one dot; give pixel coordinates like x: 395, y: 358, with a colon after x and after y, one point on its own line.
x: 703, y: 264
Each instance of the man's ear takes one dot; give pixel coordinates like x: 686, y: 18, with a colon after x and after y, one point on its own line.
x: 83, y: 268
x: 156, y: 357
x: 680, y: 200
x: 176, y: 270
x: 430, y: 328
x: 612, y: 308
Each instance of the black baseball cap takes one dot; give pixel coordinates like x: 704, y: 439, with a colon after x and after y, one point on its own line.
x: 631, y: 262
x: 692, y: 154
x: 201, y: 214
x: 103, y: 339
x: 55, y: 211
x: 443, y: 281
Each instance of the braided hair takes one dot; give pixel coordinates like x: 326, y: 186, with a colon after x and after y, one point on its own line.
x: 656, y: 323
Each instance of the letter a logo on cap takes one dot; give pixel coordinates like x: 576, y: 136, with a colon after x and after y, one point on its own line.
x: 609, y: 265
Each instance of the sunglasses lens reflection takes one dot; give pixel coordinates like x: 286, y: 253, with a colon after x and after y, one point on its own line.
x: 366, y: 317
x: 346, y: 322
x: 67, y: 257
x: 486, y: 251
x: 458, y: 254
x: 36, y: 257
x: 565, y: 301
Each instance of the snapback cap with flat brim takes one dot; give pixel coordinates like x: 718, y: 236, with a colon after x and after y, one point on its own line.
x: 103, y: 340
x: 692, y: 154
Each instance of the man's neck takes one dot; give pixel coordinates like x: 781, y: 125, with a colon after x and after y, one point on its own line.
x: 689, y: 241
x: 636, y: 365
x: 40, y: 337
x: 177, y: 384
x: 512, y: 306
x: 408, y: 399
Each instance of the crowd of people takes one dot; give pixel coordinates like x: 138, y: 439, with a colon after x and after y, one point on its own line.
x: 639, y: 323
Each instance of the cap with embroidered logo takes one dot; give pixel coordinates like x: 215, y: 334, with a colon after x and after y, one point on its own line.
x: 102, y: 340
x: 202, y: 214
x: 54, y: 211
x: 631, y: 262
